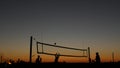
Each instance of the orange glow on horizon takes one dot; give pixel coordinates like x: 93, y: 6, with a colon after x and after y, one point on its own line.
x: 46, y: 58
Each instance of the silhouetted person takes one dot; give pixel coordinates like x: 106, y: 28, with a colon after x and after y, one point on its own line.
x: 89, y: 60
x: 97, y: 58
x: 56, y: 57
x: 38, y: 60
x: 18, y: 61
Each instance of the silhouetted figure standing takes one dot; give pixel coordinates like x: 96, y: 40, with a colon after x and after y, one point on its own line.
x: 56, y: 57
x: 38, y: 60
x: 97, y: 58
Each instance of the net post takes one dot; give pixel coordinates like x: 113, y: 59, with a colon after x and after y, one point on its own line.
x: 37, y: 46
x: 89, y: 55
x: 30, y: 57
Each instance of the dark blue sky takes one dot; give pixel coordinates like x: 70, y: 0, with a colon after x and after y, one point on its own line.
x: 66, y: 22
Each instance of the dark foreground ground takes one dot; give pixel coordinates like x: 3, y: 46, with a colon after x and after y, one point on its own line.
x: 61, y: 65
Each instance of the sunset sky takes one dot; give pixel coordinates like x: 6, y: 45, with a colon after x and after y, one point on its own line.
x: 70, y: 23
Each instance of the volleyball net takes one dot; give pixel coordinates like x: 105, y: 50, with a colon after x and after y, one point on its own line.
x: 53, y: 49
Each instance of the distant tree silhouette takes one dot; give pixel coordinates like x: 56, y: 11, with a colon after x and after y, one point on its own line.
x: 38, y: 60
x: 97, y: 58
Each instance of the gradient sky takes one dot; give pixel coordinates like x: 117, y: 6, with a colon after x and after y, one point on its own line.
x: 71, y: 23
